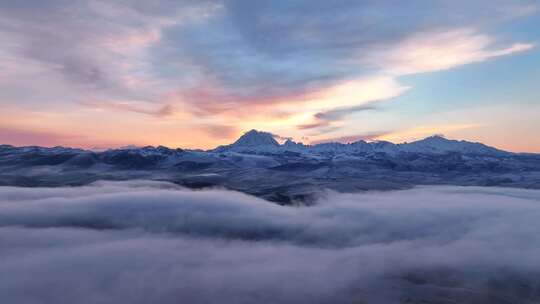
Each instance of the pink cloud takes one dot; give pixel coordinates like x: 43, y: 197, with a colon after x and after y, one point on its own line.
x: 221, y: 131
x: 136, y: 107
x: 20, y: 137
x: 352, y: 138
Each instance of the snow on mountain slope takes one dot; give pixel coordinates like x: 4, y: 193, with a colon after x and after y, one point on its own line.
x: 257, y: 164
x: 439, y: 144
x: 251, y: 142
x: 255, y: 138
x: 263, y: 142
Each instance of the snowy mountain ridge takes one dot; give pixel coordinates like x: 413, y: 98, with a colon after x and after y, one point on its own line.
x: 285, y: 173
x: 257, y: 142
x: 260, y: 142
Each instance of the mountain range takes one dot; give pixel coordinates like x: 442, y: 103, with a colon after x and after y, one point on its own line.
x: 286, y: 173
x: 263, y: 142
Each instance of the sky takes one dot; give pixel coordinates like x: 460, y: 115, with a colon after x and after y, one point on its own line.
x: 197, y: 74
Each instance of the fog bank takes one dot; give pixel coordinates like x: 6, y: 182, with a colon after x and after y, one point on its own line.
x: 153, y: 242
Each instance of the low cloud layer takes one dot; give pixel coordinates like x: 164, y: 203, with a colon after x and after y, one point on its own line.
x: 152, y: 242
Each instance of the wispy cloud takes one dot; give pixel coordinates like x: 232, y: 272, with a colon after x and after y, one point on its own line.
x: 325, y: 119
x: 21, y: 137
x: 440, y: 50
x: 352, y: 138
x: 221, y: 131
x: 132, y: 106
x: 422, y: 131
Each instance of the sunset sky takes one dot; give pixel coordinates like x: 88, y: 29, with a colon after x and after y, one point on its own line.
x: 197, y: 74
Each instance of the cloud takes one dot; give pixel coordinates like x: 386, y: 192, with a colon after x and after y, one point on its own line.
x: 440, y: 50
x: 97, y: 45
x: 162, y: 110
x: 422, y: 131
x: 118, y: 49
x: 352, y: 138
x: 281, y: 52
x: 325, y: 119
x: 142, y: 242
x: 239, y: 63
x: 420, y: 53
x: 314, y: 125
x: 332, y: 105
x: 340, y: 113
x: 21, y: 137
x: 220, y: 131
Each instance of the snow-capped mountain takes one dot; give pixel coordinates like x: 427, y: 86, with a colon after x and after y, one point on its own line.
x: 255, y: 138
x: 257, y: 164
x: 252, y: 141
x: 263, y: 142
x: 439, y: 144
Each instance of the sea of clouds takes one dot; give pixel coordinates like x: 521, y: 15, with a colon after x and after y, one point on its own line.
x: 154, y: 242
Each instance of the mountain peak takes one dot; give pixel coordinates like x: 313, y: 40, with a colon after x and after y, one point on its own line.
x: 256, y: 138
x: 441, y: 144
x: 436, y: 137
x: 289, y: 142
